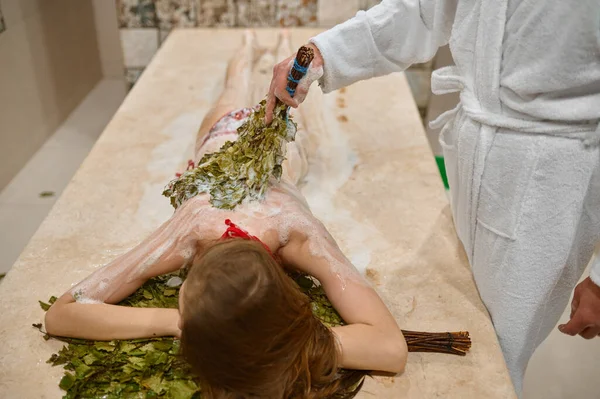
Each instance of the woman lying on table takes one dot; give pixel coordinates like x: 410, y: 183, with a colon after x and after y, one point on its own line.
x: 245, y: 326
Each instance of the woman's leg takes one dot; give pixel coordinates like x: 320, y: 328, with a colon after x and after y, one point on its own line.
x: 237, y: 87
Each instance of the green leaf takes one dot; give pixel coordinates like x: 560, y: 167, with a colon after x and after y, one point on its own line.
x: 128, y: 369
x: 44, y: 306
x: 147, y: 294
x: 127, y: 347
x: 44, y: 194
x: 182, y: 389
x: 176, y: 347
x: 164, y: 345
x: 137, y: 363
x: 82, y: 370
x: 155, y: 384
x: 305, y: 283
x: 105, y: 346
x: 67, y: 382
x: 155, y: 357
x: 89, y: 359
x: 148, y: 347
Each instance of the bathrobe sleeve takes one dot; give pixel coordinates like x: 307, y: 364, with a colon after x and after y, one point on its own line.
x: 388, y: 38
x: 595, y: 272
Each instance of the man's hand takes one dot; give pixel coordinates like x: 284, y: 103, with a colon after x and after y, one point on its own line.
x: 281, y: 72
x: 585, y: 311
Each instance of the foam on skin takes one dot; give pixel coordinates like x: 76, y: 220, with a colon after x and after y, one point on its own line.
x: 313, y: 74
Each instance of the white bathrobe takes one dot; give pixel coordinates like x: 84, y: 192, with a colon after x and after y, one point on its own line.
x: 521, y: 149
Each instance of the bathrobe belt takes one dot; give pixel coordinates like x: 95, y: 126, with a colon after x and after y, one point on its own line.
x: 448, y: 80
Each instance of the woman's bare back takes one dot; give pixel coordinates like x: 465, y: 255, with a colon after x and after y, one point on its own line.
x: 282, y: 213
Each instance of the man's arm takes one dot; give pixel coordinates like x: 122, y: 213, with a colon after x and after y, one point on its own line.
x: 387, y: 38
x: 595, y: 272
x: 371, y: 340
x: 88, y: 310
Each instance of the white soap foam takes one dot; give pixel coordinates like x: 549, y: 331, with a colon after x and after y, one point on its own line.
x: 330, y: 169
x: 174, y: 282
x: 166, y: 158
x: 312, y: 75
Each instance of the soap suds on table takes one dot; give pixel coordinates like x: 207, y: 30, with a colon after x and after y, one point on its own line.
x: 165, y: 161
x: 330, y: 168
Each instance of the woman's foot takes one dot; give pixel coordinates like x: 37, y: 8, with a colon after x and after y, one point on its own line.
x: 284, y: 45
x: 249, y: 37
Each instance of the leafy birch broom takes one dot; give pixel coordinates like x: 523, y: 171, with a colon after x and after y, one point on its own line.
x: 243, y: 168
x: 151, y: 368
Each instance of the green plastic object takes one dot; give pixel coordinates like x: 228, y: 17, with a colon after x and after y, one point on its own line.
x: 442, y: 167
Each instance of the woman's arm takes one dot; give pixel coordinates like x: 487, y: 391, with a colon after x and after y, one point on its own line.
x: 371, y: 340
x: 88, y: 310
x: 387, y: 38
x: 104, y: 322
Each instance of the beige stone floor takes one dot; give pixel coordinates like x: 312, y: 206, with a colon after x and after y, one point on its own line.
x: 564, y: 367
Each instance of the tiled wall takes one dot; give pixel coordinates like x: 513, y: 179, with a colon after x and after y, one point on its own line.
x: 108, y: 35
x: 145, y: 24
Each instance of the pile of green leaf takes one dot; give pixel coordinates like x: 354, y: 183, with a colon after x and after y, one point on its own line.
x: 240, y: 169
x: 146, y: 368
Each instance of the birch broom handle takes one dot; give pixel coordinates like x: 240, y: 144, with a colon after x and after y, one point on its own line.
x: 303, y: 59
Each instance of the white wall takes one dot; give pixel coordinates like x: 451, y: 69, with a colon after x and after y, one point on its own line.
x: 109, y: 42
x: 48, y: 63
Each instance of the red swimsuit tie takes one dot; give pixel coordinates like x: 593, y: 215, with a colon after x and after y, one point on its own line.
x: 234, y: 231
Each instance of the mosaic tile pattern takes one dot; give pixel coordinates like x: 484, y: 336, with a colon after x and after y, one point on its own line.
x: 168, y: 14
x: 2, y: 24
x: 297, y: 12
x: 137, y: 13
x: 147, y: 23
x: 216, y: 13
x: 333, y: 12
x: 139, y: 46
x: 176, y: 14
x: 255, y: 13
x: 132, y: 75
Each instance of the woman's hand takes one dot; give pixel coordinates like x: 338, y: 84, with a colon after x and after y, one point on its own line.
x: 279, y: 82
